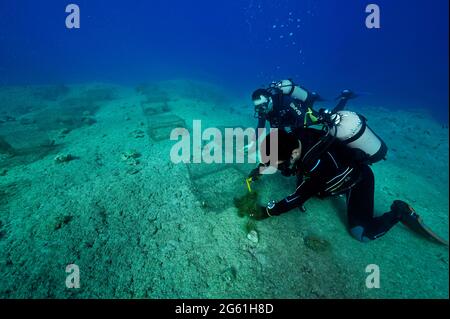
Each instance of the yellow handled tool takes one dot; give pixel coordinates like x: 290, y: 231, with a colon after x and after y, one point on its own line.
x: 249, y: 181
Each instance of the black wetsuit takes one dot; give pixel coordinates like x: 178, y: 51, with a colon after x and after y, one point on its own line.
x: 337, y: 172
x: 289, y: 112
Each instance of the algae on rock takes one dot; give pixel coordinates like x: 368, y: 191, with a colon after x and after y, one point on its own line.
x: 247, y: 206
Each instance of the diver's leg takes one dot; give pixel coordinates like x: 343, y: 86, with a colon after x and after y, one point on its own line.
x: 360, y: 203
x: 341, y: 104
x: 343, y: 99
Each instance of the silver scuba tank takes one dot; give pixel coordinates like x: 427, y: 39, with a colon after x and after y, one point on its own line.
x: 289, y: 88
x: 353, y: 131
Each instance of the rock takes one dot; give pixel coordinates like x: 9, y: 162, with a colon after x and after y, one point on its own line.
x: 130, y: 154
x: 88, y: 120
x: 253, y: 236
x: 5, y: 147
x: 64, y: 158
x: 316, y: 244
x: 27, y: 121
x: 64, y: 131
x: 7, y: 118
x: 132, y: 171
x: 137, y: 133
x: 230, y: 274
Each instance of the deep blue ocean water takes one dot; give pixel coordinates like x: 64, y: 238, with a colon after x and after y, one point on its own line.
x: 322, y: 44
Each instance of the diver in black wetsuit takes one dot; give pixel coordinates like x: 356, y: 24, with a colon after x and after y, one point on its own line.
x: 287, y: 105
x: 339, y: 170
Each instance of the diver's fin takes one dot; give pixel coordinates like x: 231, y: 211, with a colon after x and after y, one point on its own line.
x: 348, y: 95
x: 417, y: 224
x: 411, y: 219
x: 317, y: 98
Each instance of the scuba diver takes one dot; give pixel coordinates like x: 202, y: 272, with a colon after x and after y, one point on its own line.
x: 338, y: 171
x: 287, y: 105
x: 291, y: 106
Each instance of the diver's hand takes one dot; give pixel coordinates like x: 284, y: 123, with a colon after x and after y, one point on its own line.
x: 254, y: 174
x: 261, y: 213
x: 248, y: 146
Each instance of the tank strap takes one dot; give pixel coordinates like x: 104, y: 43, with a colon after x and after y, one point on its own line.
x: 292, y: 84
x: 359, y: 134
x: 292, y: 87
x: 381, y: 154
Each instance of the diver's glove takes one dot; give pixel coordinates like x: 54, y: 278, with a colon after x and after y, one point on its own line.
x: 265, y: 212
x: 287, y: 172
x: 248, y: 146
x: 255, y: 173
x: 275, y: 210
x: 261, y: 213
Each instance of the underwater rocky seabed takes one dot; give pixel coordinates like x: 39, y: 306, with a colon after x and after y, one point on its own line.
x: 86, y: 178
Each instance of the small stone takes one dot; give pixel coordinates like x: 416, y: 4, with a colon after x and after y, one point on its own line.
x: 64, y: 158
x: 88, y: 120
x: 317, y: 244
x: 253, y: 236
x: 130, y: 154
x: 64, y: 131
x: 133, y: 171
x: 138, y: 133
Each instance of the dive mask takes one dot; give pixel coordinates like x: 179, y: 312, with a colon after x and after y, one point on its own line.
x: 262, y: 106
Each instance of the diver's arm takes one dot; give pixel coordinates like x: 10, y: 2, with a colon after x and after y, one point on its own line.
x: 261, y: 169
x: 261, y: 124
x: 306, y: 190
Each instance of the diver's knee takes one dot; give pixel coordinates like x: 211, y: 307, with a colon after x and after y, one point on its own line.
x: 358, y: 233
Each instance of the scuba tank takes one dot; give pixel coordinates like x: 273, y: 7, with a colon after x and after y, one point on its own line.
x: 352, y: 130
x: 289, y: 88
x: 348, y: 127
